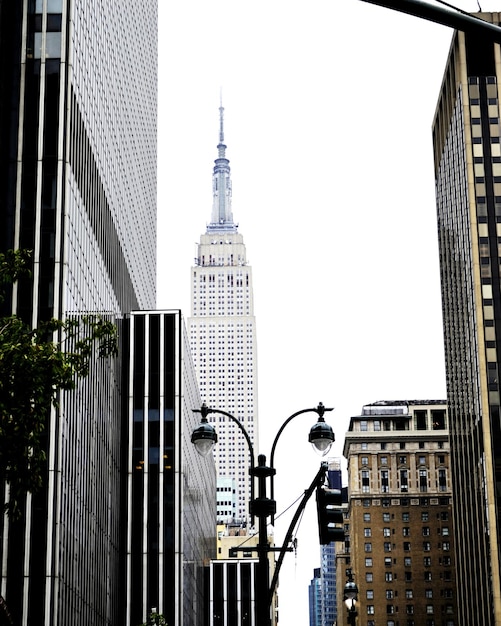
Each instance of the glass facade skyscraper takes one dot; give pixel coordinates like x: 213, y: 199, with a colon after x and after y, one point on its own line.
x: 78, y: 106
x: 467, y: 148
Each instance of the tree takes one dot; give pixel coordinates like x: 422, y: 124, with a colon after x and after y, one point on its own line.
x: 155, y: 619
x: 36, y: 364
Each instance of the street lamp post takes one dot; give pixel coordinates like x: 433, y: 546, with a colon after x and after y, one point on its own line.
x: 321, y: 436
x: 350, y: 598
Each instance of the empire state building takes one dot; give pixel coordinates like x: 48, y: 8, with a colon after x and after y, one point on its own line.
x: 222, y: 330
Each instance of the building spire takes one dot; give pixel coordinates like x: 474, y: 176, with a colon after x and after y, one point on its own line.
x: 222, y: 217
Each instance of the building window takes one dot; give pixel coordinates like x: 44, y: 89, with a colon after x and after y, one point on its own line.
x: 368, y: 547
x: 428, y: 593
x: 388, y: 576
x: 426, y: 531
x: 387, y: 546
x: 387, y: 561
x: 390, y: 609
x: 407, y: 561
x: 365, y: 481
x: 409, y: 609
x: 389, y: 594
x: 425, y: 516
x: 406, y: 531
x: 367, y: 532
x: 405, y: 517
x: 404, y: 480
x: 377, y: 425
x: 429, y: 609
x: 367, y: 517
x: 386, y: 532
x: 370, y: 594
x: 369, y: 577
x: 438, y: 420
x: 368, y: 562
x: 423, y: 480
x: 426, y: 546
x: 386, y: 517
x: 442, y: 480
x: 407, y: 546
x: 363, y: 425
x: 427, y: 561
x: 370, y: 609
x: 408, y: 594
x: 383, y: 460
x: 365, y: 460
x: 385, y: 481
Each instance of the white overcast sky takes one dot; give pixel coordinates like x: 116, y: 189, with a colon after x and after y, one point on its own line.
x: 328, y: 113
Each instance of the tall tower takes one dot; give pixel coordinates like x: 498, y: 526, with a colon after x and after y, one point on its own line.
x: 467, y: 149
x: 78, y: 188
x: 222, y: 330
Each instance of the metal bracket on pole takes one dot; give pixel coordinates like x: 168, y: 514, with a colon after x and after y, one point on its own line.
x: 288, y: 537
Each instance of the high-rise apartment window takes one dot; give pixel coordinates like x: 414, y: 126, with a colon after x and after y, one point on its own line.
x: 404, y: 480
x: 442, y: 480
x: 386, y: 532
x: 370, y: 594
x: 368, y: 547
x: 438, y: 419
x: 423, y: 480
x: 365, y: 481
x: 420, y: 417
x: 426, y: 546
x: 368, y: 562
x: 385, y: 481
x: 389, y: 594
x: 367, y: 532
x: 363, y: 425
x: 367, y: 517
x: 369, y: 577
x: 365, y: 460
x: 388, y: 576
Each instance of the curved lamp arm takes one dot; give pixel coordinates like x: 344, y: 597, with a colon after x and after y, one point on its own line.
x: 205, y: 410
x: 319, y: 410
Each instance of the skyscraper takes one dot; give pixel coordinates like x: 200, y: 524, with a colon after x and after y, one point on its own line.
x: 400, y: 548
x: 78, y: 84
x: 171, y: 489
x: 222, y: 330
x: 467, y: 149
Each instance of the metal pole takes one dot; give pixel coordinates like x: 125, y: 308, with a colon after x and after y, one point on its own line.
x: 453, y: 19
x: 262, y: 508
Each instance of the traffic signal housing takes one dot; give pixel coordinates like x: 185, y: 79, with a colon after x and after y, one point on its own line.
x: 330, y: 517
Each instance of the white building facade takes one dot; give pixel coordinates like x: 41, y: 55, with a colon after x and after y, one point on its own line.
x: 222, y: 330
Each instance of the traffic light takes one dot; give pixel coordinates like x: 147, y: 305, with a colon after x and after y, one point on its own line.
x: 330, y: 517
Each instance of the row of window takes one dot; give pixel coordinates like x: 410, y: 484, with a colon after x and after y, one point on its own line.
x: 427, y: 575
x: 406, y: 531
x: 409, y: 594
x: 403, y: 480
x: 406, y: 516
